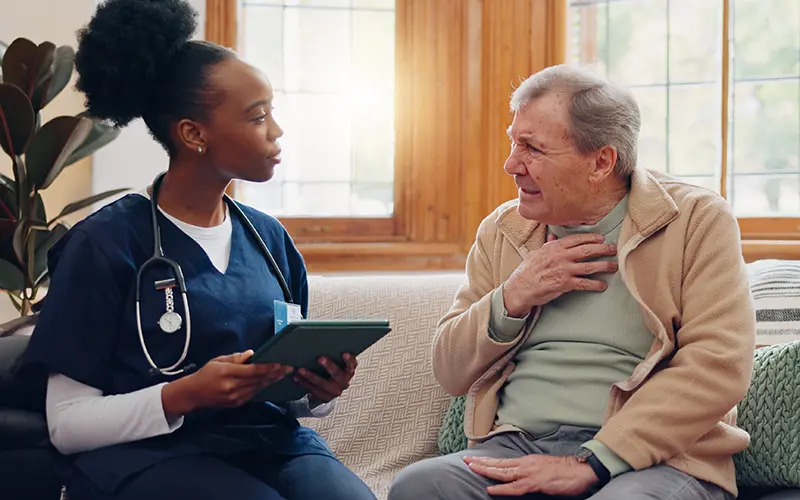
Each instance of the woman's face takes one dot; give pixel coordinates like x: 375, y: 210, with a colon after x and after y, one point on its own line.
x: 241, y: 133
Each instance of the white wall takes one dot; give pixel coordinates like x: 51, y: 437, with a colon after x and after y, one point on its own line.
x: 134, y: 158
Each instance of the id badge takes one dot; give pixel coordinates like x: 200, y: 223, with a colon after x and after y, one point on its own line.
x: 285, y: 313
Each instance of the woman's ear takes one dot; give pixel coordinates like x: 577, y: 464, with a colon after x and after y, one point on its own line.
x: 191, y: 135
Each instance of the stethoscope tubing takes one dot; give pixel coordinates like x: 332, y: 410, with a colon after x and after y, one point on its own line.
x: 158, y: 257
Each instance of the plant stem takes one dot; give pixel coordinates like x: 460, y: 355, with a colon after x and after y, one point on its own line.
x: 26, y: 308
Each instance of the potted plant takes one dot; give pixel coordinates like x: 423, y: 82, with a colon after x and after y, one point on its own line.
x: 32, y: 76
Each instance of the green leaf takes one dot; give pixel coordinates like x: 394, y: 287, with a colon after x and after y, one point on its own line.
x: 62, y: 72
x: 39, y: 213
x: 100, y: 135
x: 7, y: 228
x: 8, y: 198
x: 17, y: 120
x: 18, y: 61
x: 22, y: 187
x: 52, y: 145
x: 11, y: 278
x: 43, y: 71
x: 86, y: 202
x: 20, y: 240
x: 45, y: 241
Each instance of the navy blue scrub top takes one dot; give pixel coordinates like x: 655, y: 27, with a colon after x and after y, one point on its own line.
x: 87, y: 328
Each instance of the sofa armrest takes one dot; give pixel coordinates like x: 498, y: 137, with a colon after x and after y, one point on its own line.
x: 22, y: 429
x: 22, y: 389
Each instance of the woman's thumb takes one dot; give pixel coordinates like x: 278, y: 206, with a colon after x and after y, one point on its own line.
x: 236, y: 358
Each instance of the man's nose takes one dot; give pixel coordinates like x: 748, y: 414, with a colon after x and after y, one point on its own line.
x: 513, y: 165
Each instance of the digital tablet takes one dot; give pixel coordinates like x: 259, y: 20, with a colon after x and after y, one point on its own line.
x: 301, y: 343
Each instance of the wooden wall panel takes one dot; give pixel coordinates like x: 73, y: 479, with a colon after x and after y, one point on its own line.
x: 430, y: 41
x: 221, y: 22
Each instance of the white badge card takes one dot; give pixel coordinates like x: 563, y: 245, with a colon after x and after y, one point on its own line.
x: 286, y: 313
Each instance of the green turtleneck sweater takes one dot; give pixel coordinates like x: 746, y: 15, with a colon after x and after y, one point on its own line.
x: 582, y: 343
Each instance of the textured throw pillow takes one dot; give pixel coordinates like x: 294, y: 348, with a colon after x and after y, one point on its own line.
x: 770, y: 412
x: 775, y: 285
x: 451, y: 434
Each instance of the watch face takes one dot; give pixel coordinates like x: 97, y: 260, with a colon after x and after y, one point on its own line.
x: 584, y: 453
x: 170, y: 322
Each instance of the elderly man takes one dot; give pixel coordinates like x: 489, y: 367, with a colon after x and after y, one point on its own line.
x: 605, y: 333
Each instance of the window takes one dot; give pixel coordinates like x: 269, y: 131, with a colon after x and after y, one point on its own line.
x: 331, y: 64
x: 430, y: 79
x: 718, y: 84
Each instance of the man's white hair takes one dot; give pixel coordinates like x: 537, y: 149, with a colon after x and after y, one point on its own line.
x: 601, y: 113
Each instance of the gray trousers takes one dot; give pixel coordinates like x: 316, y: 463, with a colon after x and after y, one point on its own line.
x: 448, y: 477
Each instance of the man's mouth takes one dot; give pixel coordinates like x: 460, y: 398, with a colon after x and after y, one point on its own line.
x: 529, y: 191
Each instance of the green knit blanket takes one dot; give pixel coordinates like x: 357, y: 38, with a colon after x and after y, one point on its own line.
x: 770, y: 413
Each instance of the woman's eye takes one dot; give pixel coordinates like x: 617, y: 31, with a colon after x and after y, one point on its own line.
x: 260, y: 119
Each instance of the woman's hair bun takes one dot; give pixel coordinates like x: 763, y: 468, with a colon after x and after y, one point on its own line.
x: 124, y: 53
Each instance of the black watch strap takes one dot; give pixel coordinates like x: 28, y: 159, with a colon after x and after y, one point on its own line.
x: 599, y: 469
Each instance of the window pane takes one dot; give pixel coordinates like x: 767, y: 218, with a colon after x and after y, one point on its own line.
x: 262, y: 30
x: 695, y: 129
x: 695, y: 40
x: 766, y: 127
x: 766, y: 195
x: 374, y: 4
x: 331, y: 63
x: 767, y: 38
x: 765, y: 133
x: 669, y: 53
x: 316, y: 141
x: 707, y: 181
x: 589, y: 35
x: 318, y: 3
x: 637, y: 42
x: 316, y: 49
x: 372, y: 199
x: 310, y: 200
x: 653, y: 137
x: 266, y: 197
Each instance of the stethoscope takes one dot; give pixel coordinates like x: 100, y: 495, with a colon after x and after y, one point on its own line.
x: 171, y: 321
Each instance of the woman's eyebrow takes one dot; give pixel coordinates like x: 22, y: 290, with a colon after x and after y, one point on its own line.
x: 262, y: 102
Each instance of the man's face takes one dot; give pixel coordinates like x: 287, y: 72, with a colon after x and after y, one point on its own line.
x: 552, y: 177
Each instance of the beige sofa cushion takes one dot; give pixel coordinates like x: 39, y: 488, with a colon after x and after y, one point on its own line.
x: 390, y: 416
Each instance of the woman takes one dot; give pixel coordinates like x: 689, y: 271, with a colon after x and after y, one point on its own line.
x: 134, y: 431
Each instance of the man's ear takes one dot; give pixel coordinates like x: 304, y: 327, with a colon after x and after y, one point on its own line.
x: 605, y: 161
x: 192, y: 135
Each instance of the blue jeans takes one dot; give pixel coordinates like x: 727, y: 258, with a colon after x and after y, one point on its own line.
x: 247, y: 476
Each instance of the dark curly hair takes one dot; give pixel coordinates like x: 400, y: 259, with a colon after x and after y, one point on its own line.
x: 135, y: 59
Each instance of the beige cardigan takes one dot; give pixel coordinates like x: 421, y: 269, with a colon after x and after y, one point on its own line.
x: 680, y: 257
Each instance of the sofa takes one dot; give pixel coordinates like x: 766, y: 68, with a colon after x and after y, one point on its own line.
x: 391, y: 414
x: 388, y: 419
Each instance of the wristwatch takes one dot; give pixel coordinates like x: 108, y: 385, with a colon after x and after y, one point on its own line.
x: 586, y: 455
